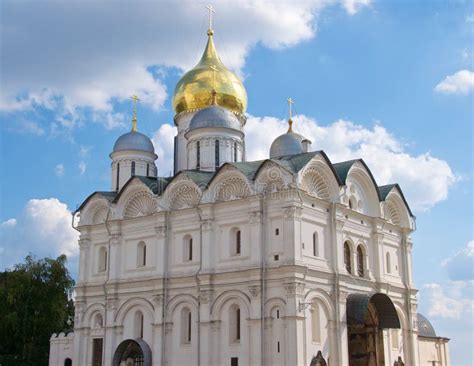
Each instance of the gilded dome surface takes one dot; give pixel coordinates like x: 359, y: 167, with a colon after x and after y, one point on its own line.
x: 194, y: 90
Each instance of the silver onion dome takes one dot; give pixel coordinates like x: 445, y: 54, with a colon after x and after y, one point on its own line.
x: 134, y: 140
x: 289, y: 143
x: 215, y: 116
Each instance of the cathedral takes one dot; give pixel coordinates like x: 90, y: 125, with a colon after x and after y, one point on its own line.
x: 291, y: 260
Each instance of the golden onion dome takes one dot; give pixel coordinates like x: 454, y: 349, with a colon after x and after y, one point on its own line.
x: 195, y: 89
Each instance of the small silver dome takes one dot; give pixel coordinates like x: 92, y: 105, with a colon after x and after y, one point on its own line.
x: 289, y: 143
x: 215, y: 116
x: 134, y: 140
x: 425, y: 328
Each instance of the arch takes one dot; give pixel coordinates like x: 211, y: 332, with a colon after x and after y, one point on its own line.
x: 68, y: 362
x: 366, y: 188
x: 315, y: 184
x: 318, y: 178
x: 133, y: 348
x: 182, y: 193
x: 227, y: 296
x: 396, y: 210
x: 275, y: 302
x: 144, y: 305
x: 228, y: 184
x: 361, y: 270
x: 91, y: 311
x: 358, y: 307
x: 188, y: 300
x: 271, y: 177
x: 95, y: 211
x: 141, y: 254
x: 325, y: 301
x: 139, y: 204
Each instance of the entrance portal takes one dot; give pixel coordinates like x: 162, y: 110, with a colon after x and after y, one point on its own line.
x: 367, y: 316
x: 132, y: 352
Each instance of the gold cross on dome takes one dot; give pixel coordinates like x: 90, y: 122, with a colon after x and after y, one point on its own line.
x: 211, y: 11
x: 134, y: 118
x: 290, y: 114
x: 214, y: 91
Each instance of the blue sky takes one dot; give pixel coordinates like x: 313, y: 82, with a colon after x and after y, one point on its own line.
x: 388, y: 81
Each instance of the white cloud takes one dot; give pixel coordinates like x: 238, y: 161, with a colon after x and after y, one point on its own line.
x: 453, y: 300
x: 470, y: 18
x: 28, y: 127
x: 43, y: 228
x: 9, y: 223
x: 107, y: 51
x: 59, y: 170
x: 84, y: 151
x: 461, y: 82
x: 345, y: 140
x: 82, y: 167
x: 460, y: 266
x: 163, y: 140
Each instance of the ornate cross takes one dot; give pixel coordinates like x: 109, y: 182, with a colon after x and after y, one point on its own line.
x: 211, y: 12
x: 290, y: 114
x: 134, y: 119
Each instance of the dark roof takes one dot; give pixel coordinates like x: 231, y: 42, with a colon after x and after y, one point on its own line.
x: 385, y: 190
x: 201, y: 178
x: 109, y: 196
x: 343, y: 168
x: 425, y: 329
x: 156, y: 184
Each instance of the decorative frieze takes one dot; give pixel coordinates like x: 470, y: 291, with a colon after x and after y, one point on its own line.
x: 292, y: 212
x: 160, y: 232
x: 294, y: 289
x: 254, y: 290
x: 255, y: 217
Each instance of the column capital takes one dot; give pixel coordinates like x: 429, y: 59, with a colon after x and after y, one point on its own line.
x: 160, y: 231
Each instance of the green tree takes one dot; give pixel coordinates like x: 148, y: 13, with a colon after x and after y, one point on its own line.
x: 35, y: 302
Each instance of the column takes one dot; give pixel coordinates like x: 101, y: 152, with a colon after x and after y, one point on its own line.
x: 84, y: 245
x: 157, y: 329
x: 205, y: 332
x: 343, y: 356
x: 255, y: 237
x: 208, y: 249
x: 255, y: 326
x: 295, y: 321
x: 292, y: 233
x: 110, y: 340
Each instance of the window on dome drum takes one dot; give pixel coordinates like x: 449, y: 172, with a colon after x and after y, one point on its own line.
x: 315, y: 245
x: 315, y: 324
x: 141, y: 254
x: 133, y: 168
x: 235, y: 151
x: 389, y: 265
x: 102, y: 259
x: 138, y: 325
x: 216, y: 154
x: 347, y: 257
x: 118, y: 176
x: 147, y: 169
x: 186, y: 323
x: 360, y: 261
x: 198, y: 154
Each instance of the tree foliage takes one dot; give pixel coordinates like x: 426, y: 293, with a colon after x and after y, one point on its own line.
x: 35, y: 302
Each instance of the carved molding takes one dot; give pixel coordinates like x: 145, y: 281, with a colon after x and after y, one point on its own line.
x: 255, y: 217
x: 160, y: 232
x: 254, y: 290
x: 292, y: 212
x: 207, y: 225
x: 205, y: 296
x: 158, y: 300
x: 294, y: 289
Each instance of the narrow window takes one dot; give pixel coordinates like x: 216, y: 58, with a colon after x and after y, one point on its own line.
x: 216, y: 154
x: 102, y: 259
x: 141, y: 254
x: 138, y: 324
x: 189, y: 327
x: 133, y: 168
x: 118, y: 176
x: 235, y: 151
x: 147, y: 169
x: 198, y: 154
x: 277, y: 231
x: 237, y: 323
x: 315, y: 245
x: 234, y: 361
x: 67, y: 362
x: 97, y: 345
x: 276, y: 257
x: 186, y: 326
x: 237, y: 242
x: 360, y: 261
x: 315, y: 324
x: 278, y: 314
x: 389, y: 266
x: 144, y: 256
x: 347, y: 257
x: 278, y: 346
x: 190, y: 249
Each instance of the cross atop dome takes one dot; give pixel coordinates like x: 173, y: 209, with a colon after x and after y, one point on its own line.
x: 290, y: 114
x: 134, y: 118
x: 211, y: 11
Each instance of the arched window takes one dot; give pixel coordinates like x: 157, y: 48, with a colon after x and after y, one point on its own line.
x: 188, y: 248
x: 102, y: 259
x: 235, y: 241
x: 67, y: 362
x: 133, y: 168
x: 198, y: 154
x: 216, y: 154
x: 98, y: 321
x: 186, y: 323
x: 141, y: 254
x: 347, y: 257
x: 235, y: 151
x: 315, y: 245
x: 360, y: 261
x: 234, y: 324
x: 118, y: 176
x: 389, y: 265
x: 138, y: 325
x: 315, y: 323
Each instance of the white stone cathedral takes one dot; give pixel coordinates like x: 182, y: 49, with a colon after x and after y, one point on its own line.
x: 292, y: 260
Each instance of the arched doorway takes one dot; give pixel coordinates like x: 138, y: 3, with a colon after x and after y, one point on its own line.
x: 132, y: 352
x: 367, y: 316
